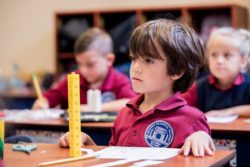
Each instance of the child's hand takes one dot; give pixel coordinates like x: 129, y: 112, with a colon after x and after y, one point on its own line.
x: 40, y: 104
x: 220, y: 113
x: 85, y: 140
x: 199, y: 143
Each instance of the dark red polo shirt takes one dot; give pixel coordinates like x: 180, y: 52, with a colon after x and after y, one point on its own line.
x: 167, y: 125
x: 115, y: 86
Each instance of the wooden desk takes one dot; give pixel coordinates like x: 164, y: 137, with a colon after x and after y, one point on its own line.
x: 99, y: 131
x: 50, y: 152
x: 59, y: 123
x: 237, y: 127
x: 237, y: 130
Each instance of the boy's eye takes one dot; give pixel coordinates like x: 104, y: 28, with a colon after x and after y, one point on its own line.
x: 87, y: 65
x: 132, y: 58
x: 149, y: 61
x: 90, y: 64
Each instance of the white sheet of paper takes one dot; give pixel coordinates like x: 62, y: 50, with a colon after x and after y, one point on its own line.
x: 87, y: 150
x: 222, y: 119
x: 148, y: 153
x: 247, y: 120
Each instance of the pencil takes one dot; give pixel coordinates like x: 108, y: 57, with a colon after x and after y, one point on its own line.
x: 67, y: 160
x: 37, y: 87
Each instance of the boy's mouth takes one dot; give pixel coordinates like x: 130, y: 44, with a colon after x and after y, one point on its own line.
x: 136, y: 79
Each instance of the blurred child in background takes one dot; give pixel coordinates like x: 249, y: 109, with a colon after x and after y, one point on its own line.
x: 94, y: 56
x: 226, y: 90
x: 246, y: 46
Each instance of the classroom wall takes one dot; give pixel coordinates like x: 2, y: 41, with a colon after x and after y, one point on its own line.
x: 27, y: 27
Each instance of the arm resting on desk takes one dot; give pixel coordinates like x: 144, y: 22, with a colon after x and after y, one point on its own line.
x: 199, y: 143
x: 114, y: 106
x: 242, y: 110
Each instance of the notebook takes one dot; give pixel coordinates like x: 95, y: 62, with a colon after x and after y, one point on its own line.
x: 94, y: 116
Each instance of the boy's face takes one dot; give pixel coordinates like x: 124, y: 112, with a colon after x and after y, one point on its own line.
x: 224, y: 59
x: 150, y: 76
x: 93, y: 65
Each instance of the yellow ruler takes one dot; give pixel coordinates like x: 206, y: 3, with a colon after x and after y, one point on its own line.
x: 1, y: 138
x: 74, y: 114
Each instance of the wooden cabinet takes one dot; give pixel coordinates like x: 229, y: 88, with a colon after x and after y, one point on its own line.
x: 119, y: 24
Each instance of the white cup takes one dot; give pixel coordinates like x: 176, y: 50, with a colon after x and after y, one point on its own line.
x: 94, y: 100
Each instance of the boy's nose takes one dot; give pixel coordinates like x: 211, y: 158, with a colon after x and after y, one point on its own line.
x: 136, y: 67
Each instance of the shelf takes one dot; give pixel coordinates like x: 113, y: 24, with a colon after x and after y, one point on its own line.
x: 120, y: 24
x: 69, y: 27
x: 120, y: 28
x: 156, y: 14
x: 210, y: 17
x: 66, y: 55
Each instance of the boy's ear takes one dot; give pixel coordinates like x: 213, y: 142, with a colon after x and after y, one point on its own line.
x: 110, y: 58
x: 176, y: 76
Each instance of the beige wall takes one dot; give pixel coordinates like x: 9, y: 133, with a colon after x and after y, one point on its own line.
x: 27, y: 27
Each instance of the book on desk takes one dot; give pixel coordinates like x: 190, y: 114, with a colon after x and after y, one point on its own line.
x: 14, y: 115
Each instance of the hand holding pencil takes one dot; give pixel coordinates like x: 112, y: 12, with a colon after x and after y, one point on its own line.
x: 37, y: 87
x: 41, y: 102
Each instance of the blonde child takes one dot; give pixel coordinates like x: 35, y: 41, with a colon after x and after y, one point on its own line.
x: 246, y: 46
x: 94, y: 56
x: 226, y: 91
x: 166, y: 56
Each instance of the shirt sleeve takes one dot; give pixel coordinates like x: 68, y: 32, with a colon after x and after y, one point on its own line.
x: 114, y: 132
x: 191, y: 96
x: 199, y: 125
x: 57, y: 95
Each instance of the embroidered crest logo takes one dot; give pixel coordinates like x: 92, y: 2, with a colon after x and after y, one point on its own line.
x: 159, y: 134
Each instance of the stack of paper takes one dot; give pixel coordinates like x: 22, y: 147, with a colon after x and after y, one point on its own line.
x: 226, y: 119
x: 15, y: 115
x: 148, y: 153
